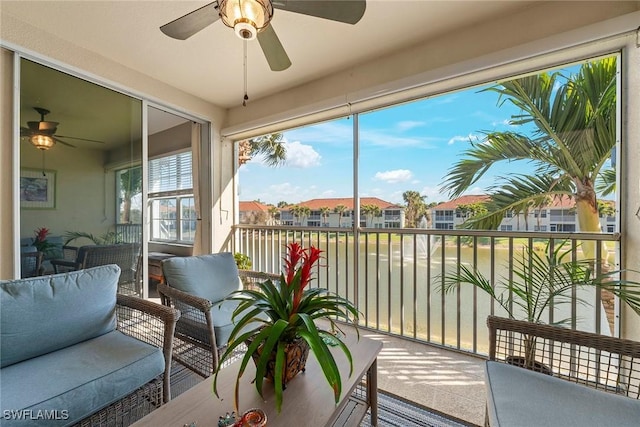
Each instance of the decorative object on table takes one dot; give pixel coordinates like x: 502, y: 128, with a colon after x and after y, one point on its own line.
x: 254, y: 417
x: 229, y: 419
x: 37, y: 189
x: 274, y: 315
x: 543, y: 281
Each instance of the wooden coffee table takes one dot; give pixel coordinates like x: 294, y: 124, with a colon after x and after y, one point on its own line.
x: 307, y: 401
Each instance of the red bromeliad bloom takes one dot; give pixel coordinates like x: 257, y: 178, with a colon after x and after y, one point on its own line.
x: 41, y: 234
x: 299, y: 263
x: 294, y: 255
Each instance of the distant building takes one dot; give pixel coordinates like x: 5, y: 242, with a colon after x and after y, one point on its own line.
x: 557, y: 216
x: 255, y: 213
x: 447, y: 216
x: 391, y: 215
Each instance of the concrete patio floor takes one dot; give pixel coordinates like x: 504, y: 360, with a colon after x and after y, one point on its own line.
x: 446, y: 381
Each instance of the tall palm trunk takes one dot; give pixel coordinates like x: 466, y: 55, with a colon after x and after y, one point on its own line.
x: 589, y: 218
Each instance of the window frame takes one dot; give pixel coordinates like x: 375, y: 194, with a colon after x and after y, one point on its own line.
x: 178, y: 195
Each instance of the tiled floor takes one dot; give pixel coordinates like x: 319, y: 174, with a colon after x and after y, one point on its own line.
x: 446, y: 381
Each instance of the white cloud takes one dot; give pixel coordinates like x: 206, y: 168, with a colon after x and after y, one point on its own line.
x: 381, y: 138
x: 408, y: 125
x: 283, y: 191
x: 461, y: 138
x: 393, y: 177
x: 503, y: 123
x: 434, y: 194
x: 301, y: 156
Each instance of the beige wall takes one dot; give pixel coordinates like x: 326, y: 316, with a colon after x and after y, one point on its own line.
x: 6, y: 165
x: 84, y: 198
x: 170, y: 140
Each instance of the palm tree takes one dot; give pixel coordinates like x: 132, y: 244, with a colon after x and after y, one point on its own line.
x: 130, y: 186
x: 270, y: 146
x: 606, y: 208
x: 371, y: 211
x: 574, y: 134
x: 415, y: 208
x: 340, y: 209
x: 305, y: 211
x: 324, y: 213
x: 296, y: 211
x: 274, y: 213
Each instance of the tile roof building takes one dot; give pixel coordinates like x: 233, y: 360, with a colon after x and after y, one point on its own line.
x: 557, y: 216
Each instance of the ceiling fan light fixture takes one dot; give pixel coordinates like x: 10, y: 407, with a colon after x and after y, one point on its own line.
x: 42, y: 142
x: 246, y: 17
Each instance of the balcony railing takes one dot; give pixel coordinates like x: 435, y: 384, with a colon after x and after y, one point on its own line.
x: 129, y: 233
x: 395, y: 276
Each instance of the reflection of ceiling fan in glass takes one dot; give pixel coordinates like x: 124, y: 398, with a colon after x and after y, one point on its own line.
x: 250, y: 19
x: 42, y: 134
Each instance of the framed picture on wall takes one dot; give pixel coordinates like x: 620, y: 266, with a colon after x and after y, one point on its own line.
x: 37, y: 189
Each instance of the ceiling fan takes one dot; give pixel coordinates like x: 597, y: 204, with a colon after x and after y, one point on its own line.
x: 250, y: 19
x: 42, y: 134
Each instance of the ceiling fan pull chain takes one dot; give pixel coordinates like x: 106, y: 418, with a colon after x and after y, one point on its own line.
x: 246, y: 97
x: 43, y: 174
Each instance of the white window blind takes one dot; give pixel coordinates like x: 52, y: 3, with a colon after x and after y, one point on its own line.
x: 171, y: 174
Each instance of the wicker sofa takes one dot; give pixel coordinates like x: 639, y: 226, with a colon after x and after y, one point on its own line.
x: 74, y: 352
x: 572, y: 377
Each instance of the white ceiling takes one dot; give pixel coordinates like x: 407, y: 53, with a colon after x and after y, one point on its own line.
x: 209, y: 64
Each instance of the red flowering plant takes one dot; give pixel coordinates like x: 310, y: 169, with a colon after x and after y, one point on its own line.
x: 40, y: 240
x: 278, y: 313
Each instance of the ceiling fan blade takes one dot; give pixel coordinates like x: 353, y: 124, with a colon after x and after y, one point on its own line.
x: 63, y: 143
x: 273, y: 50
x: 79, y: 139
x: 347, y: 11
x: 189, y: 24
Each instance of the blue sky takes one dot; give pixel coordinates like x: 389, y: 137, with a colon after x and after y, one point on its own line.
x: 405, y: 147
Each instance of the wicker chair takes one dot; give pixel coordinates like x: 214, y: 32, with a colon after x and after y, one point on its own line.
x: 125, y: 255
x: 31, y: 264
x: 602, y: 362
x: 198, y: 340
x: 608, y: 364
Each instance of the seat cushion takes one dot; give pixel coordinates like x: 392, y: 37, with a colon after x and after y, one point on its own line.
x: 221, y: 317
x: 43, y: 314
x: 80, y: 379
x: 212, y: 276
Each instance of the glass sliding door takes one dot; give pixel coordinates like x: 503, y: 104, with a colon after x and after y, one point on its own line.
x: 80, y: 172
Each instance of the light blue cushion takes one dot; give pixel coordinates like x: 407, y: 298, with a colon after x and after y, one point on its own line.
x: 80, y: 379
x: 221, y: 317
x: 43, y: 314
x: 212, y: 276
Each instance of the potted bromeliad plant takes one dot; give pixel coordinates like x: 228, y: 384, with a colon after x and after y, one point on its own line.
x: 543, y: 281
x: 277, y: 322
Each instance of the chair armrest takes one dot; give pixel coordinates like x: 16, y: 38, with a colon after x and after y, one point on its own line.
x: 70, y: 252
x: 152, y: 323
x: 67, y: 264
x: 168, y: 293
